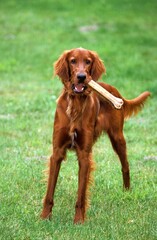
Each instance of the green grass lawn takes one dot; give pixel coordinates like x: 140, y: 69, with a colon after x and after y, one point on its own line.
x: 33, y: 35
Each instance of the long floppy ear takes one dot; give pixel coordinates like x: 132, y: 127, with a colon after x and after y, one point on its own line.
x: 61, y: 67
x: 98, y: 67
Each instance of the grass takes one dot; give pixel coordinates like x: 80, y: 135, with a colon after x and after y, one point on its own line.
x: 33, y: 35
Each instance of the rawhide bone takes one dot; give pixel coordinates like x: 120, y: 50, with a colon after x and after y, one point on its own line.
x: 117, y: 102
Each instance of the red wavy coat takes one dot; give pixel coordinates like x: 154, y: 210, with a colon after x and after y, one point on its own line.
x: 81, y: 116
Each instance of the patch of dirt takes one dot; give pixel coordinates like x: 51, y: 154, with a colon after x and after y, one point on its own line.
x: 150, y: 158
x: 88, y: 28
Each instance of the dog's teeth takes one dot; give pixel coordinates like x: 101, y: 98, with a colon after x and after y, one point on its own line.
x: 79, y: 90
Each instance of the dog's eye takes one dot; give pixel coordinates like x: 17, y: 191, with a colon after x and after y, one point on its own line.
x: 73, y: 61
x: 88, y: 61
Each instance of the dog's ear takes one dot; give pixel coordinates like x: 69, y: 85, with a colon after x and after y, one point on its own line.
x: 61, y: 67
x: 98, y: 67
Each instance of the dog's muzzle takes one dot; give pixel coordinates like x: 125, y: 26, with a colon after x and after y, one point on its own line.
x: 80, y: 86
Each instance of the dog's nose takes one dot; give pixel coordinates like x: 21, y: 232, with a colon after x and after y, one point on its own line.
x: 81, y: 77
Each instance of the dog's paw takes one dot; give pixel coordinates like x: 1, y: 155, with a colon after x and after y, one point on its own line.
x: 46, y: 214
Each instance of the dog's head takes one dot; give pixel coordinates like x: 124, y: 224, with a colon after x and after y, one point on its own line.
x: 77, y: 67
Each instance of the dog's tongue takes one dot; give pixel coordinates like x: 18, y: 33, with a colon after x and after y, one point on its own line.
x: 79, y: 87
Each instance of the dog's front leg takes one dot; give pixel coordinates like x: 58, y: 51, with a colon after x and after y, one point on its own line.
x: 54, y: 167
x: 60, y: 142
x: 85, y: 168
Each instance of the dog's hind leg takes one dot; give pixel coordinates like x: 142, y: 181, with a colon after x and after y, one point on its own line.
x: 119, y: 145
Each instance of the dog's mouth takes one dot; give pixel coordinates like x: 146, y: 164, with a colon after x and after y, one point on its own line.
x: 79, y: 88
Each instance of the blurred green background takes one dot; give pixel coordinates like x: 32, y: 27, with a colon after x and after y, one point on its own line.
x: 33, y: 35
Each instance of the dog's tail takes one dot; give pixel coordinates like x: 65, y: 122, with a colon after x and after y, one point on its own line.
x: 132, y: 107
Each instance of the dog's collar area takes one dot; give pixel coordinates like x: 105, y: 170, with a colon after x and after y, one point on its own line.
x: 79, y: 88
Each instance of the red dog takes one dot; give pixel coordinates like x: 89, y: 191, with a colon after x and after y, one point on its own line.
x: 81, y: 116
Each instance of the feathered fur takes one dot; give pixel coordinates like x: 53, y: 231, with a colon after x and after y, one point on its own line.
x: 81, y: 116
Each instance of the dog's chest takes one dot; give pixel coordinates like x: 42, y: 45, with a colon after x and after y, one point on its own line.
x: 76, y: 112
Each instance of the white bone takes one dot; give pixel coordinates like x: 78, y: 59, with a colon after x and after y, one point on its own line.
x: 117, y: 102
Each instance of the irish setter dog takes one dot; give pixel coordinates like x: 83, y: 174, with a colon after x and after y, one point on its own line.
x: 81, y: 117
